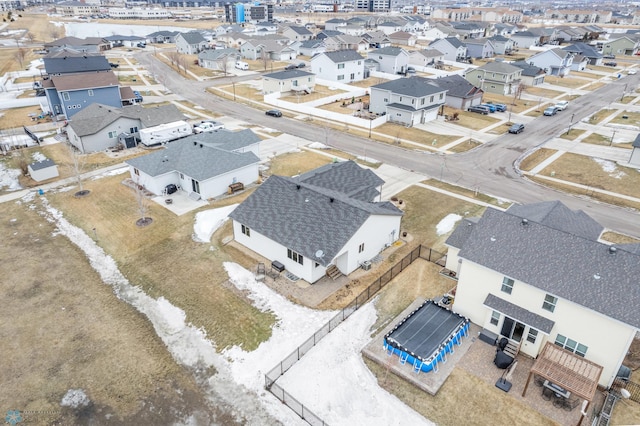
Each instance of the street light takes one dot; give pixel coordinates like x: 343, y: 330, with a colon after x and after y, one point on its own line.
x: 233, y: 83
x: 612, y: 136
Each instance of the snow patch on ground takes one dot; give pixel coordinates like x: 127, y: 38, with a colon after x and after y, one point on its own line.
x: 333, y: 381
x: 75, y: 398
x: 610, y: 168
x: 38, y: 156
x: 9, y: 178
x: 447, y: 224
x: 317, y: 145
x: 368, y: 160
x: 207, y: 222
x: 113, y: 172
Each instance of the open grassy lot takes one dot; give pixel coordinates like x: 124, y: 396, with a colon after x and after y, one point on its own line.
x: 415, y: 135
x: 345, y: 106
x: 586, y: 171
x: 541, y: 92
x: 570, y: 82
x: 572, y: 134
x: 537, y: 157
x: 606, y: 140
x: 295, y: 163
x: 632, y: 118
x: 157, y: 258
x: 583, y: 74
x: 65, y: 329
x: 244, y: 91
x: 600, y: 115
x: 465, y: 146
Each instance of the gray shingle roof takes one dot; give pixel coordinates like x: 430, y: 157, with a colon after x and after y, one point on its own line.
x: 193, y: 37
x: 557, y: 261
x: 287, y: 74
x: 516, y: 312
x: 501, y: 67
x: 307, y: 218
x: 95, y: 117
x: 345, y: 177
x: 195, y: 160
x: 39, y: 165
x: 456, y: 86
x: 528, y: 70
x: 340, y: 56
x: 388, y: 51
x: 584, y: 49
x: 75, y: 63
x: 300, y: 30
x: 215, y: 54
x: 225, y: 139
x: 412, y: 86
x: 451, y: 40
x: 636, y: 141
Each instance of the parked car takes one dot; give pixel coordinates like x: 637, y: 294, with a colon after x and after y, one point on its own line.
x: 550, y: 111
x: 274, y: 113
x: 516, y: 128
x: 609, y: 56
x: 562, y: 105
x: 631, y: 72
x: 290, y: 67
x: 113, y: 65
x: 138, y: 96
x: 499, y: 107
x: 208, y: 126
x: 479, y: 109
x: 611, y: 64
x: 302, y: 65
x: 411, y: 70
x: 492, y: 108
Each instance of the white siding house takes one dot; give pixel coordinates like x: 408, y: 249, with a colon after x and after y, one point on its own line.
x: 343, y: 66
x: 321, y: 219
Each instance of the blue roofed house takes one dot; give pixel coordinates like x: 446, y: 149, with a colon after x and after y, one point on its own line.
x: 408, y: 101
x: 539, y: 275
x: 342, y: 66
x: 452, y: 48
x: 202, y: 165
x: 191, y: 43
x: 322, y: 221
x: 392, y: 60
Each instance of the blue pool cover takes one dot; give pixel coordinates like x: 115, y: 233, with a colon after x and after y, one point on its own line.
x: 426, y: 335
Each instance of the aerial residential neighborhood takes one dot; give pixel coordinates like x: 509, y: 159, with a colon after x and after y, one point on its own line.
x: 309, y: 213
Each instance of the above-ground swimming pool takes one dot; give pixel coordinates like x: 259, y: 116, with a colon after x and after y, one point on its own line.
x: 426, y: 336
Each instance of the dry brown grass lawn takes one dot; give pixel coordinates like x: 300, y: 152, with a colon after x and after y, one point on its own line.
x: 466, y: 192
x: 319, y: 92
x: 416, y: 135
x: 633, y: 118
x: 471, y: 120
x: 465, y: 146
x: 600, y: 115
x: 605, y: 140
x: 541, y: 92
x: 584, y: 170
x: 296, y: 163
x: 65, y: 329
x: 245, y: 91
x: 573, y: 134
x: 18, y: 117
x: 566, y: 81
x: 537, y: 157
x: 164, y: 260
x: 617, y: 238
x: 368, y: 82
x: 583, y: 74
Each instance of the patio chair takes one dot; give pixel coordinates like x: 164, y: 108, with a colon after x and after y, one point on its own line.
x: 538, y: 380
x: 547, y: 394
x: 570, y: 404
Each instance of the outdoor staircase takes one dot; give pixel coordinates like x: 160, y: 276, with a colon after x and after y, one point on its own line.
x: 512, y: 348
x: 333, y: 272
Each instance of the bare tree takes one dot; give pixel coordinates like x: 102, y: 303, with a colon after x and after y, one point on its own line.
x: 20, y: 55
x: 30, y: 36
x: 173, y: 57
x: 54, y: 32
x: 78, y: 162
x: 223, y: 64
x: 265, y: 59
x: 182, y: 63
x: 143, y: 205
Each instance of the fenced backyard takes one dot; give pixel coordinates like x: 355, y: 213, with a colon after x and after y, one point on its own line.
x: 420, y: 252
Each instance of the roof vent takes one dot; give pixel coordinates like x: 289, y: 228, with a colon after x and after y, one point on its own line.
x: 195, y: 143
x: 613, y: 250
x: 297, y: 186
x: 596, y: 276
x: 525, y: 222
x: 493, y: 238
x: 200, y: 145
x: 331, y: 199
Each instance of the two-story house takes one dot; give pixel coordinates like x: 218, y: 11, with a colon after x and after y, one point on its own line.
x: 345, y: 42
x: 538, y: 274
x: 553, y: 61
x: 425, y: 57
x: 408, y: 101
x: 496, y: 77
x: 531, y: 75
x: 452, y: 48
x: 626, y: 45
x: 525, y: 39
x: 502, y: 45
x: 403, y: 38
x: 191, y: 43
x: 295, y: 33
x: 480, y: 48
x: 460, y: 93
x: 322, y: 220
x: 342, y: 66
x: 586, y: 50
x: 392, y: 60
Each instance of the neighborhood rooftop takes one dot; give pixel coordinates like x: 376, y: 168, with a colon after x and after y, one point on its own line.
x: 412, y: 86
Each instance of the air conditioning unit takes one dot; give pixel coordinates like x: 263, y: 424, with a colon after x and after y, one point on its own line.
x: 366, y: 265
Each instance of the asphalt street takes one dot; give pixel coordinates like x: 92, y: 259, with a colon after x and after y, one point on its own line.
x: 490, y: 168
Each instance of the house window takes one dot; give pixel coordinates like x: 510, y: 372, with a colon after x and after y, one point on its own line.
x: 495, y: 317
x: 133, y: 129
x: 549, y: 303
x: 532, y: 336
x: 340, y: 66
x: 181, y: 176
x: 295, y: 256
x: 400, y: 99
x: 386, y: 100
x: 113, y: 134
x: 359, y: 62
x: 361, y: 248
x: 571, y: 345
x: 422, y: 101
x: 245, y: 230
x: 65, y: 96
x: 294, y: 83
x: 341, y: 77
x: 441, y: 96
x: 90, y: 92
x: 431, y: 100
x: 136, y: 172
x: 507, y: 285
x: 352, y: 76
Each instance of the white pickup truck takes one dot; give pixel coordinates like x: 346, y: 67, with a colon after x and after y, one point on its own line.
x: 561, y: 105
x: 208, y: 126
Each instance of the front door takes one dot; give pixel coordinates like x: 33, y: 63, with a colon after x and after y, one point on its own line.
x: 195, y: 186
x: 512, y: 329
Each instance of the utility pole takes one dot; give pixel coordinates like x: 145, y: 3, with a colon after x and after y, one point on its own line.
x: 612, y: 136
